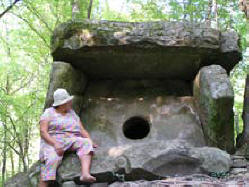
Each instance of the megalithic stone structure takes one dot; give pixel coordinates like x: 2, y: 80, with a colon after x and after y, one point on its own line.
x: 155, y: 96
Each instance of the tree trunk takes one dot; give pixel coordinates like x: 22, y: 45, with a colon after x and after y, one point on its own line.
x: 78, y: 9
x: 19, y: 164
x: 216, y: 13
x: 245, y: 114
x: 184, y: 8
x: 244, y: 6
x: 5, y: 134
x: 12, y: 163
x: 4, y: 153
x: 209, y: 13
x: 89, y: 9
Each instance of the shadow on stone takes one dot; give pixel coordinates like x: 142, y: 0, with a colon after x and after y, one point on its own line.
x: 136, y: 128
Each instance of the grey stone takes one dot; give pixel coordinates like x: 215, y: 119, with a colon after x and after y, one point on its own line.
x: 72, y: 184
x: 214, y: 98
x: 134, y: 92
x: 242, y: 150
x: 99, y: 185
x: 239, y: 162
x: 132, y: 184
x: 29, y: 179
x: 64, y: 75
x: 34, y: 174
x: 214, y: 159
x: 228, y: 41
x: 69, y: 184
x: 149, y: 161
x: 171, y: 50
x: 169, y: 117
x: 18, y: 180
x: 236, y: 182
x: 69, y: 169
x: 236, y: 171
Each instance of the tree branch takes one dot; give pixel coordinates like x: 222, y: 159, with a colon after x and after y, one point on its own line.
x: 23, y: 84
x: 8, y: 8
x: 33, y: 29
x: 32, y: 9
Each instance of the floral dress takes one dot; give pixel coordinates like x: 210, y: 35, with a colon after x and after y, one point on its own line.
x: 65, y: 129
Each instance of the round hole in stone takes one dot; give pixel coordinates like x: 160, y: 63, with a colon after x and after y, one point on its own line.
x: 136, y: 128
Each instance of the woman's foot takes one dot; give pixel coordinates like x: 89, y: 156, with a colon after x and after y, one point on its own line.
x: 87, y: 178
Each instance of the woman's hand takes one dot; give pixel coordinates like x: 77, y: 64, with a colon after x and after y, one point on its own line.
x: 95, y: 145
x: 85, y: 134
x: 58, y: 149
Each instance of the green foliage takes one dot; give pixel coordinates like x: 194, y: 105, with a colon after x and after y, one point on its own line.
x: 25, y: 59
x: 24, y: 72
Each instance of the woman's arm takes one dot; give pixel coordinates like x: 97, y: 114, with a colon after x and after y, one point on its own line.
x: 50, y: 140
x: 44, y: 133
x: 85, y: 134
x: 83, y: 131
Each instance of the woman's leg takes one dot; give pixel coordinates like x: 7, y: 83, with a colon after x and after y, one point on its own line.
x: 84, y: 151
x: 85, y: 167
x: 48, y: 168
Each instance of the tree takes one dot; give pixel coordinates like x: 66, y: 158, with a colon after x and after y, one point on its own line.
x: 24, y: 72
x: 89, y: 9
x: 244, y: 6
x: 8, y: 8
x: 244, y: 137
x: 25, y: 65
x: 81, y: 9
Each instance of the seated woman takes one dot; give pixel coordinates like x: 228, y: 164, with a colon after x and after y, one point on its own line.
x: 61, y: 130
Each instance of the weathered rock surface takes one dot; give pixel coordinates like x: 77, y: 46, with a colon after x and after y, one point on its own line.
x: 149, y: 161
x: 180, y: 182
x: 19, y: 180
x: 239, y: 162
x: 172, y: 50
x: 29, y: 179
x: 64, y: 75
x: 72, y: 184
x: 134, y: 91
x: 144, y: 161
x: 199, y: 181
x: 214, y: 97
x: 125, y: 118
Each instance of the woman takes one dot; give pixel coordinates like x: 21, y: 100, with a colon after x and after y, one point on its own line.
x: 61, y: 130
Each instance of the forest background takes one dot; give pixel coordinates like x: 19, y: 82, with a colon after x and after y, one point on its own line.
x: 25, y: 59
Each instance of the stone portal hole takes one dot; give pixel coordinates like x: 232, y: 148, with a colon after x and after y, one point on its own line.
x: 136, y: 128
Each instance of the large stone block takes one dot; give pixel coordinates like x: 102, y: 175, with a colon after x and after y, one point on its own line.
x: 171, y: 50
x: 19, y: 180
x: 64, y: 75
x: 214, y: 98
x: 130, y: 113
x: 149, y: 161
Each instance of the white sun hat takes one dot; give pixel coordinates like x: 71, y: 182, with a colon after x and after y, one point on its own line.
x: 61, y: 96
